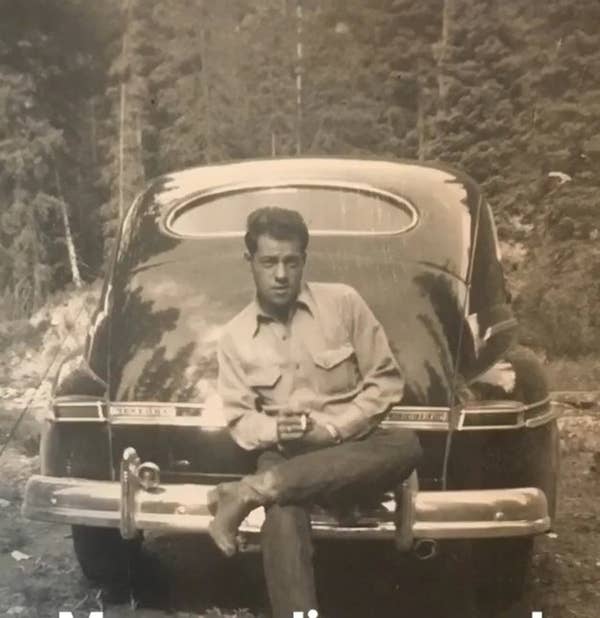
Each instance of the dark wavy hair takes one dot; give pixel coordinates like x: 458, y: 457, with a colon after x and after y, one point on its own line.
x: 280, y: 223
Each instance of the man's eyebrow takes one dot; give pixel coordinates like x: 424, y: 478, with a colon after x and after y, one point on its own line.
x: 275, y: 256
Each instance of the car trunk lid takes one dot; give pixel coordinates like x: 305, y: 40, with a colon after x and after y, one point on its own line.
x: 168, y: 312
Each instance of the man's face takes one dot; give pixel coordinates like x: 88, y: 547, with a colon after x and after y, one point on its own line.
x: 277, y: 269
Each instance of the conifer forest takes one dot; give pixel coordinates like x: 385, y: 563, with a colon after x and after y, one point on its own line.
x: 98, y: 97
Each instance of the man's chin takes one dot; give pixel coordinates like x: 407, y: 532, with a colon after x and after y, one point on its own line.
x: 281, y: 302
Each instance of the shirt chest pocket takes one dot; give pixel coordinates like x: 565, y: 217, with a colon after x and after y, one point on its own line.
x: 336, y: 370
x: 263, y: 381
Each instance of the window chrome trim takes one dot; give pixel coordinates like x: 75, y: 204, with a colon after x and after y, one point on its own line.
x: 401, y: 202
x: 499, y: 327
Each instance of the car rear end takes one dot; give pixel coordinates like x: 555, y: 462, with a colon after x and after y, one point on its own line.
x: 135, y: 438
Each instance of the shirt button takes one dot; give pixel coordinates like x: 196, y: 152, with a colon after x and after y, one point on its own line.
x: 284, y: 336
x: 297, y: 365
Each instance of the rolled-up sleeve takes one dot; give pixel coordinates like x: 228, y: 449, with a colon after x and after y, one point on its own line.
x: 250, y: 428
x: 382, y: 381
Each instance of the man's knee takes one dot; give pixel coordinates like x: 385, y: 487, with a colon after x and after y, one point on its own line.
x: 404, y: 444
x: 414, y: 448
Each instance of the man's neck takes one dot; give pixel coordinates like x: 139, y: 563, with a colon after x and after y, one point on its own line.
x: 279, y: 314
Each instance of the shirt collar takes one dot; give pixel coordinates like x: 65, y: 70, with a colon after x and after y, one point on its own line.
x: 305, y: 301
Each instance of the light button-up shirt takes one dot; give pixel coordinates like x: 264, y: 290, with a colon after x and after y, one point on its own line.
x: 331, y: 357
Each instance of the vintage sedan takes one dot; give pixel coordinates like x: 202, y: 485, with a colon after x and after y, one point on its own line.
x: 135, y: 436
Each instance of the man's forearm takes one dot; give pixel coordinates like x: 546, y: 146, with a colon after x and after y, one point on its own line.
x: 255, y: 430
x: 367, y: 409
x: 352, y: 423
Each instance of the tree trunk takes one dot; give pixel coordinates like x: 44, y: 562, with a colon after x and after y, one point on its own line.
x: 420, y: 122
x: 447, y: 13
x: 299, y: 70
x: 93, y: 132
x: 122, y: 150
x: 75, y: 274
x: 205, y: 79
x: 123, y: 107
x: 36, y: 298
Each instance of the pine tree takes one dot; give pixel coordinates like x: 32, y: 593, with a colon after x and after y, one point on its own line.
x: 27, y: 147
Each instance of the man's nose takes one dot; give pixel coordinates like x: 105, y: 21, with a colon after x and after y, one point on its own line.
x: 280, y: 271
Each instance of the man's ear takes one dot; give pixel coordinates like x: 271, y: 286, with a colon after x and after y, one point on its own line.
x: 247, y: 256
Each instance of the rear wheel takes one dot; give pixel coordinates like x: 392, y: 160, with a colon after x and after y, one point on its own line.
x: 501, y: 569
x: 104, y: 557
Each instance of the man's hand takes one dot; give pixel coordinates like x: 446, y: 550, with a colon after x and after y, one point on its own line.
x: 318, y: 436
x: 306, y: 429
x: 291, y: 425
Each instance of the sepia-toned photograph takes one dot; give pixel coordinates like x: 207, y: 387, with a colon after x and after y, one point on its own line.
x: 299, y: 308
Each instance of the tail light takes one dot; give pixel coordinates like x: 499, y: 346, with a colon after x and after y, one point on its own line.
x: 474, y: 415
x: 78, y: 408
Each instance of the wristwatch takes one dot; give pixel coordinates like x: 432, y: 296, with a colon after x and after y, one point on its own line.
x: 333, y: 431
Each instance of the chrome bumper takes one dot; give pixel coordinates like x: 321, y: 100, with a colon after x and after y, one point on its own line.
x: 127, y: 505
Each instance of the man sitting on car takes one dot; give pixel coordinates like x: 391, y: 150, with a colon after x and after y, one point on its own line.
x: 306, y: 374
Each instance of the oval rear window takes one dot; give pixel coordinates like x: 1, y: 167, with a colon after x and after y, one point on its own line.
x: 327, y: 210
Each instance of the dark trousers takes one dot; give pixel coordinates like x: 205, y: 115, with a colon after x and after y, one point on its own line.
x: 341, y: 473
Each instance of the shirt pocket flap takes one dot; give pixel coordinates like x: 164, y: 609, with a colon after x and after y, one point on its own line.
x: 328, y: 359
x: 264, y: 377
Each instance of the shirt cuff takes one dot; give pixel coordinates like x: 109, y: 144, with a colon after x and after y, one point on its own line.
x: 352, y: 422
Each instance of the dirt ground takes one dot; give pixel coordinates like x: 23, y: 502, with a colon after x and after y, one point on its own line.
x: 183, y: 577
